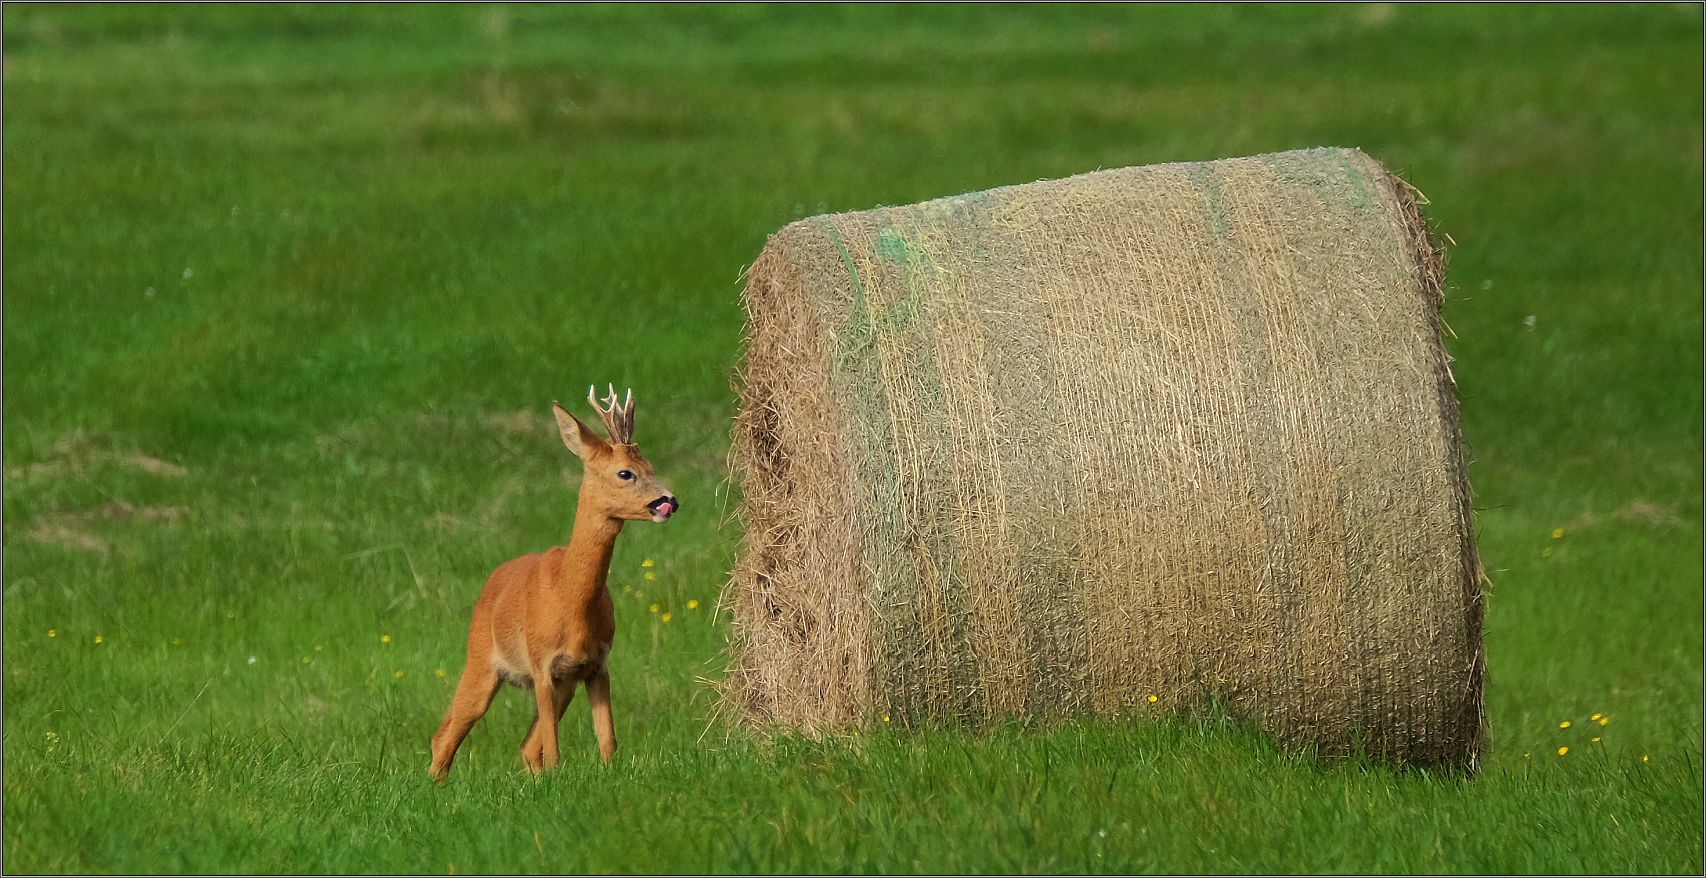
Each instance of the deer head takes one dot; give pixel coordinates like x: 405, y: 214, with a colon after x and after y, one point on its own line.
x: 617, y: 482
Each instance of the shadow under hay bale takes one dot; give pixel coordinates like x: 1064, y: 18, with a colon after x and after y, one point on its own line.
x: 1185, y: 431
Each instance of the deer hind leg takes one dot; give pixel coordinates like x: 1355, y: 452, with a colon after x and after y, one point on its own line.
x: 542, y: 736
x: 473, y: 696
x: 598, y: 696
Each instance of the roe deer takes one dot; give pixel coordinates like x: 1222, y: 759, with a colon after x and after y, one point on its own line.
x: 544, y: 621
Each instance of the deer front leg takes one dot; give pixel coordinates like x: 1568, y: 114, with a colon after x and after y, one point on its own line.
x: 544, y: 722
x: 533, y: 746
x: 598, y: 695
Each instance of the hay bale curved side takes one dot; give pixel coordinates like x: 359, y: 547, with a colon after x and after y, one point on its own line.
x: 1183, y: 430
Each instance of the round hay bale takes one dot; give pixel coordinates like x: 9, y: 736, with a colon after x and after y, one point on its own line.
x: 1185, y: 431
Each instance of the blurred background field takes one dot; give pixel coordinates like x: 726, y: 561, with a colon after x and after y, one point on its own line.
x: 288, y: 291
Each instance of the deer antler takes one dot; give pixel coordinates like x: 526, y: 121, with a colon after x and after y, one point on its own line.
x: 618, y: 419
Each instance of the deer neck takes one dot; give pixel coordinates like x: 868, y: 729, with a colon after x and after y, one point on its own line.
x: 586, y: 565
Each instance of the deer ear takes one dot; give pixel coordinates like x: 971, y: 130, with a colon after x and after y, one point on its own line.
x: 578, y: 436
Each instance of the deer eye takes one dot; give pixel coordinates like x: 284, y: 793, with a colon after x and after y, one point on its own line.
x: 625, y: 475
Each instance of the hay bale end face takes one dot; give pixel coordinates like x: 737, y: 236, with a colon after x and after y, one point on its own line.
x: 1185, y: 431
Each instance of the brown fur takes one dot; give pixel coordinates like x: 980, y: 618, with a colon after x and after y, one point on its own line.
x: 545, y: 620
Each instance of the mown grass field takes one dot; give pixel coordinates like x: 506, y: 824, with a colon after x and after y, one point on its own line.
x: 288, y: 291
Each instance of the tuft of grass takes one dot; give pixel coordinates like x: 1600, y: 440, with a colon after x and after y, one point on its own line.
x: 288, y: 291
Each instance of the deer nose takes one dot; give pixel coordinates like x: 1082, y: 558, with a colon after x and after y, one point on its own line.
x: 665, y: 506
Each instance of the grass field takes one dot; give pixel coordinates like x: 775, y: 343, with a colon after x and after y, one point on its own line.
x: 288, y: 291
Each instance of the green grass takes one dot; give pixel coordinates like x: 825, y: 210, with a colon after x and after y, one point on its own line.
x: 319, y: 258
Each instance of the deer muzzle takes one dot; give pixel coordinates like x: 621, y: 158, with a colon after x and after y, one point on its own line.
x: 663, y: 507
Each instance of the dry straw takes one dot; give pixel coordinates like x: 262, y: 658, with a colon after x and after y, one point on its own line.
x: 1183, y: 430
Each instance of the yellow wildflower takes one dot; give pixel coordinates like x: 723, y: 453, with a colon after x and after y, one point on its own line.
x: 384, y: 638
x: 693, y: 604
x: 1564, y: 725
x: 99, y: 640
x: 1154, y: 698
x: 655, y: 607
x: 318, y: 647
x: 650, y: 576
x: 1563, y: 750
x: 439, y: 673
x: 1605, y: 720
x: 306, y: 659
x: 664, y: 617
x: 1643, y: 757
x: 1595, y: 717
x: 1594, y: 741
x: 646, y: 563
x: 885, y: 717
x: 52, y: 632
x: 398, y: 675
x: 1557, y: 533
